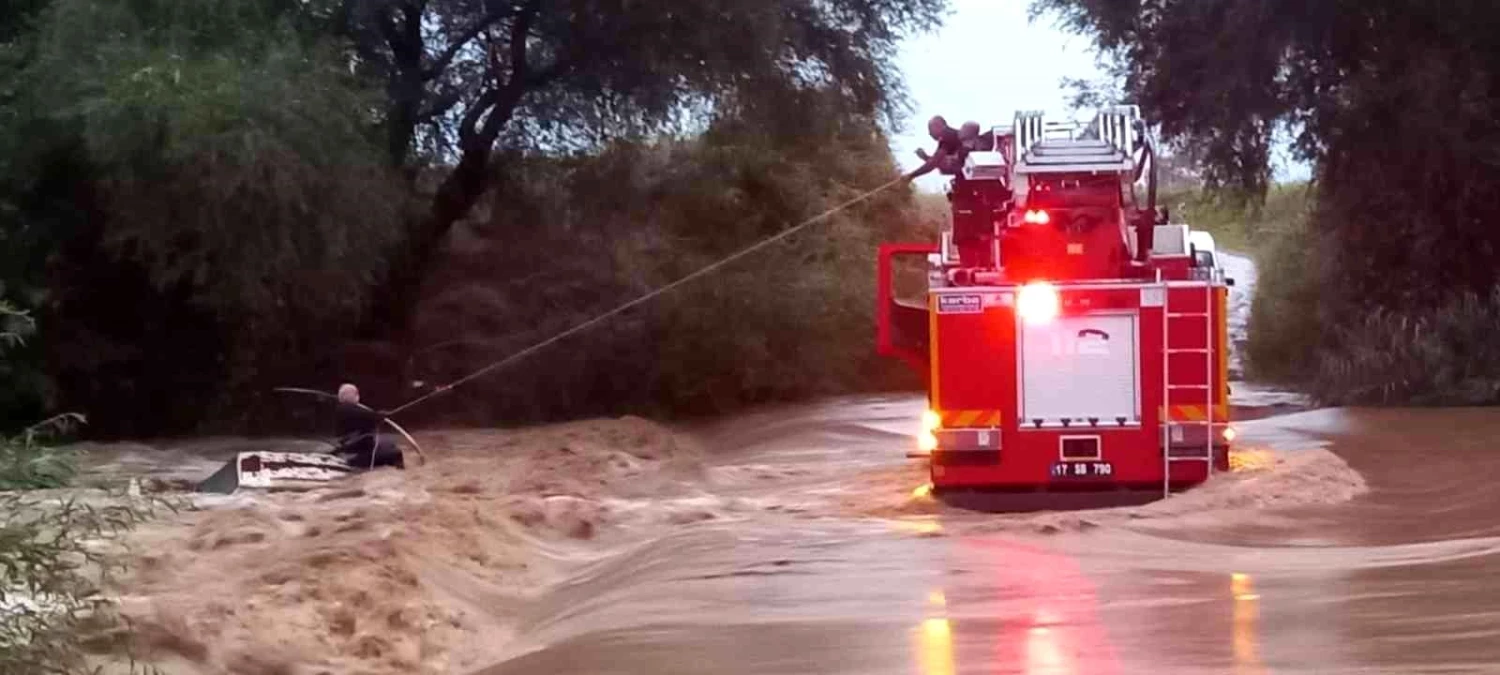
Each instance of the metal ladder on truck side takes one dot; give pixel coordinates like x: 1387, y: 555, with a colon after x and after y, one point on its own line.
x: 1209, y: 407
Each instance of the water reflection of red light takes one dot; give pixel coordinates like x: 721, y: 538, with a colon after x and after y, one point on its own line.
x: 1025, y: 609
x: 1246, y: 617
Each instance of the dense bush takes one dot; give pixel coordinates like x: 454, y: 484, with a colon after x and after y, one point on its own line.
x: 792, y: 320
x: 1285, y: 315
x: 203, y: 199
x: 1439, y: 355
x: 1444, y: 354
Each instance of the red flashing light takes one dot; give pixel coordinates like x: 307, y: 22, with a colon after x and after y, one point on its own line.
x: 1038, y: 302
x: 1037, y: 217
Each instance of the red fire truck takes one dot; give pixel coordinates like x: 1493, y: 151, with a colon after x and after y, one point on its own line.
x: 1071, y: 336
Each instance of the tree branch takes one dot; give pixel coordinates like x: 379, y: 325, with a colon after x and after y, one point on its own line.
x: 404, y: 40
x: 516, y: 84
x: 412, y: 14
x: 446, y: 58
x: 519, y: 33
x: 466, y: 128
x: 500, y: 101
x: 441, y: 104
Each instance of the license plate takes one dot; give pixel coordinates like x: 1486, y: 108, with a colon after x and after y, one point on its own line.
x: 1083, y: 470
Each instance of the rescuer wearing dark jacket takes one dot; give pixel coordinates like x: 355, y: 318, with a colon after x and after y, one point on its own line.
x: 357, y: 429
x: 950, y: 150
x: 974, y: 141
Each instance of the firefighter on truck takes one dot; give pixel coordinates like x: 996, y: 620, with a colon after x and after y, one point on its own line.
x: 1073, y: 339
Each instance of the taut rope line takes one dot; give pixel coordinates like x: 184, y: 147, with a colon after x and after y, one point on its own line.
x: 643, y: 298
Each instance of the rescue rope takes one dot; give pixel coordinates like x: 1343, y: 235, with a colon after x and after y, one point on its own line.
x: 643, y: 298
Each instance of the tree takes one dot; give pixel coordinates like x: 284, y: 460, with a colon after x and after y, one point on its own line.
x: 789, y: 321
x: 465, y: 78
x: 201, y: 197
x: 1391, y: 101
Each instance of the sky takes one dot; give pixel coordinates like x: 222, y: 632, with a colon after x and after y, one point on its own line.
x: 986, y: 62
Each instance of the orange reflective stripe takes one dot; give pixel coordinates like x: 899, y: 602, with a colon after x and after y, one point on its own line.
x: 1198, y: 413
x: 961, y: 419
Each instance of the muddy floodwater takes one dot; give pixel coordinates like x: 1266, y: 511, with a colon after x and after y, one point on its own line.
x: 1392, y: 571
x: 802, y: 540
x: 1350, y: 541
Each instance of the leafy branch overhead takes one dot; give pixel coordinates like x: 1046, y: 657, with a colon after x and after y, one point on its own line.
x: 259, y: 182
x: 465, y: 78
x: 458, y: 71
x: 1392, y: 104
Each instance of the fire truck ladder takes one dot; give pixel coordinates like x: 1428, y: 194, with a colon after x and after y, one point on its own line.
x: 1102, y: 145
x: 1167, y: 425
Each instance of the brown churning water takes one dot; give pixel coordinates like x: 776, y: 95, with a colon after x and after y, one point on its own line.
x: 800, y: 540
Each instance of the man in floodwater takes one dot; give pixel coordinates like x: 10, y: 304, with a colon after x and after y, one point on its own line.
x: 357, y: 428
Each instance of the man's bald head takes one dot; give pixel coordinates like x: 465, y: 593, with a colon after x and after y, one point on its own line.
x: 348, y: 393
x: 936, y: 126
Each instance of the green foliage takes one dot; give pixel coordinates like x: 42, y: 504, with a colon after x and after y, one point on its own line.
x: 51, y: 567
x: 1237, y: 226
x: 197, y: 187
x: 230, y: 155
x: 599, y: 70
x: 1285, y: 328
x: 1393, y: 104
x: 15, y: 325
x: 52, y: 576
x: 19, y: 382
x: 1440, y: 355
x: 789, y: 321
x: 466, y: 79
x: 201, y: 199
x: 26, y: 463
x: 1446, y: 355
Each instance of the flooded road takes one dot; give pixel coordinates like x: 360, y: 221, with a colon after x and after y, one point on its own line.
x: 1393, y: 577
x: 801, y: 540
x: 1370, y: 546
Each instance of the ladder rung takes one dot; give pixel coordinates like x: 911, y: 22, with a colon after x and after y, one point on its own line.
x: 1187, y: 459
x: 1198, y: 350
x: 1185, y: 315
x: 1187, y: 386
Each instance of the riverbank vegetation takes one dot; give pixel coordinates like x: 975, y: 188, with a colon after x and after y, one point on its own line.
x: 203, y: 200
x: 1387, y: 291
x: 54, y: 612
